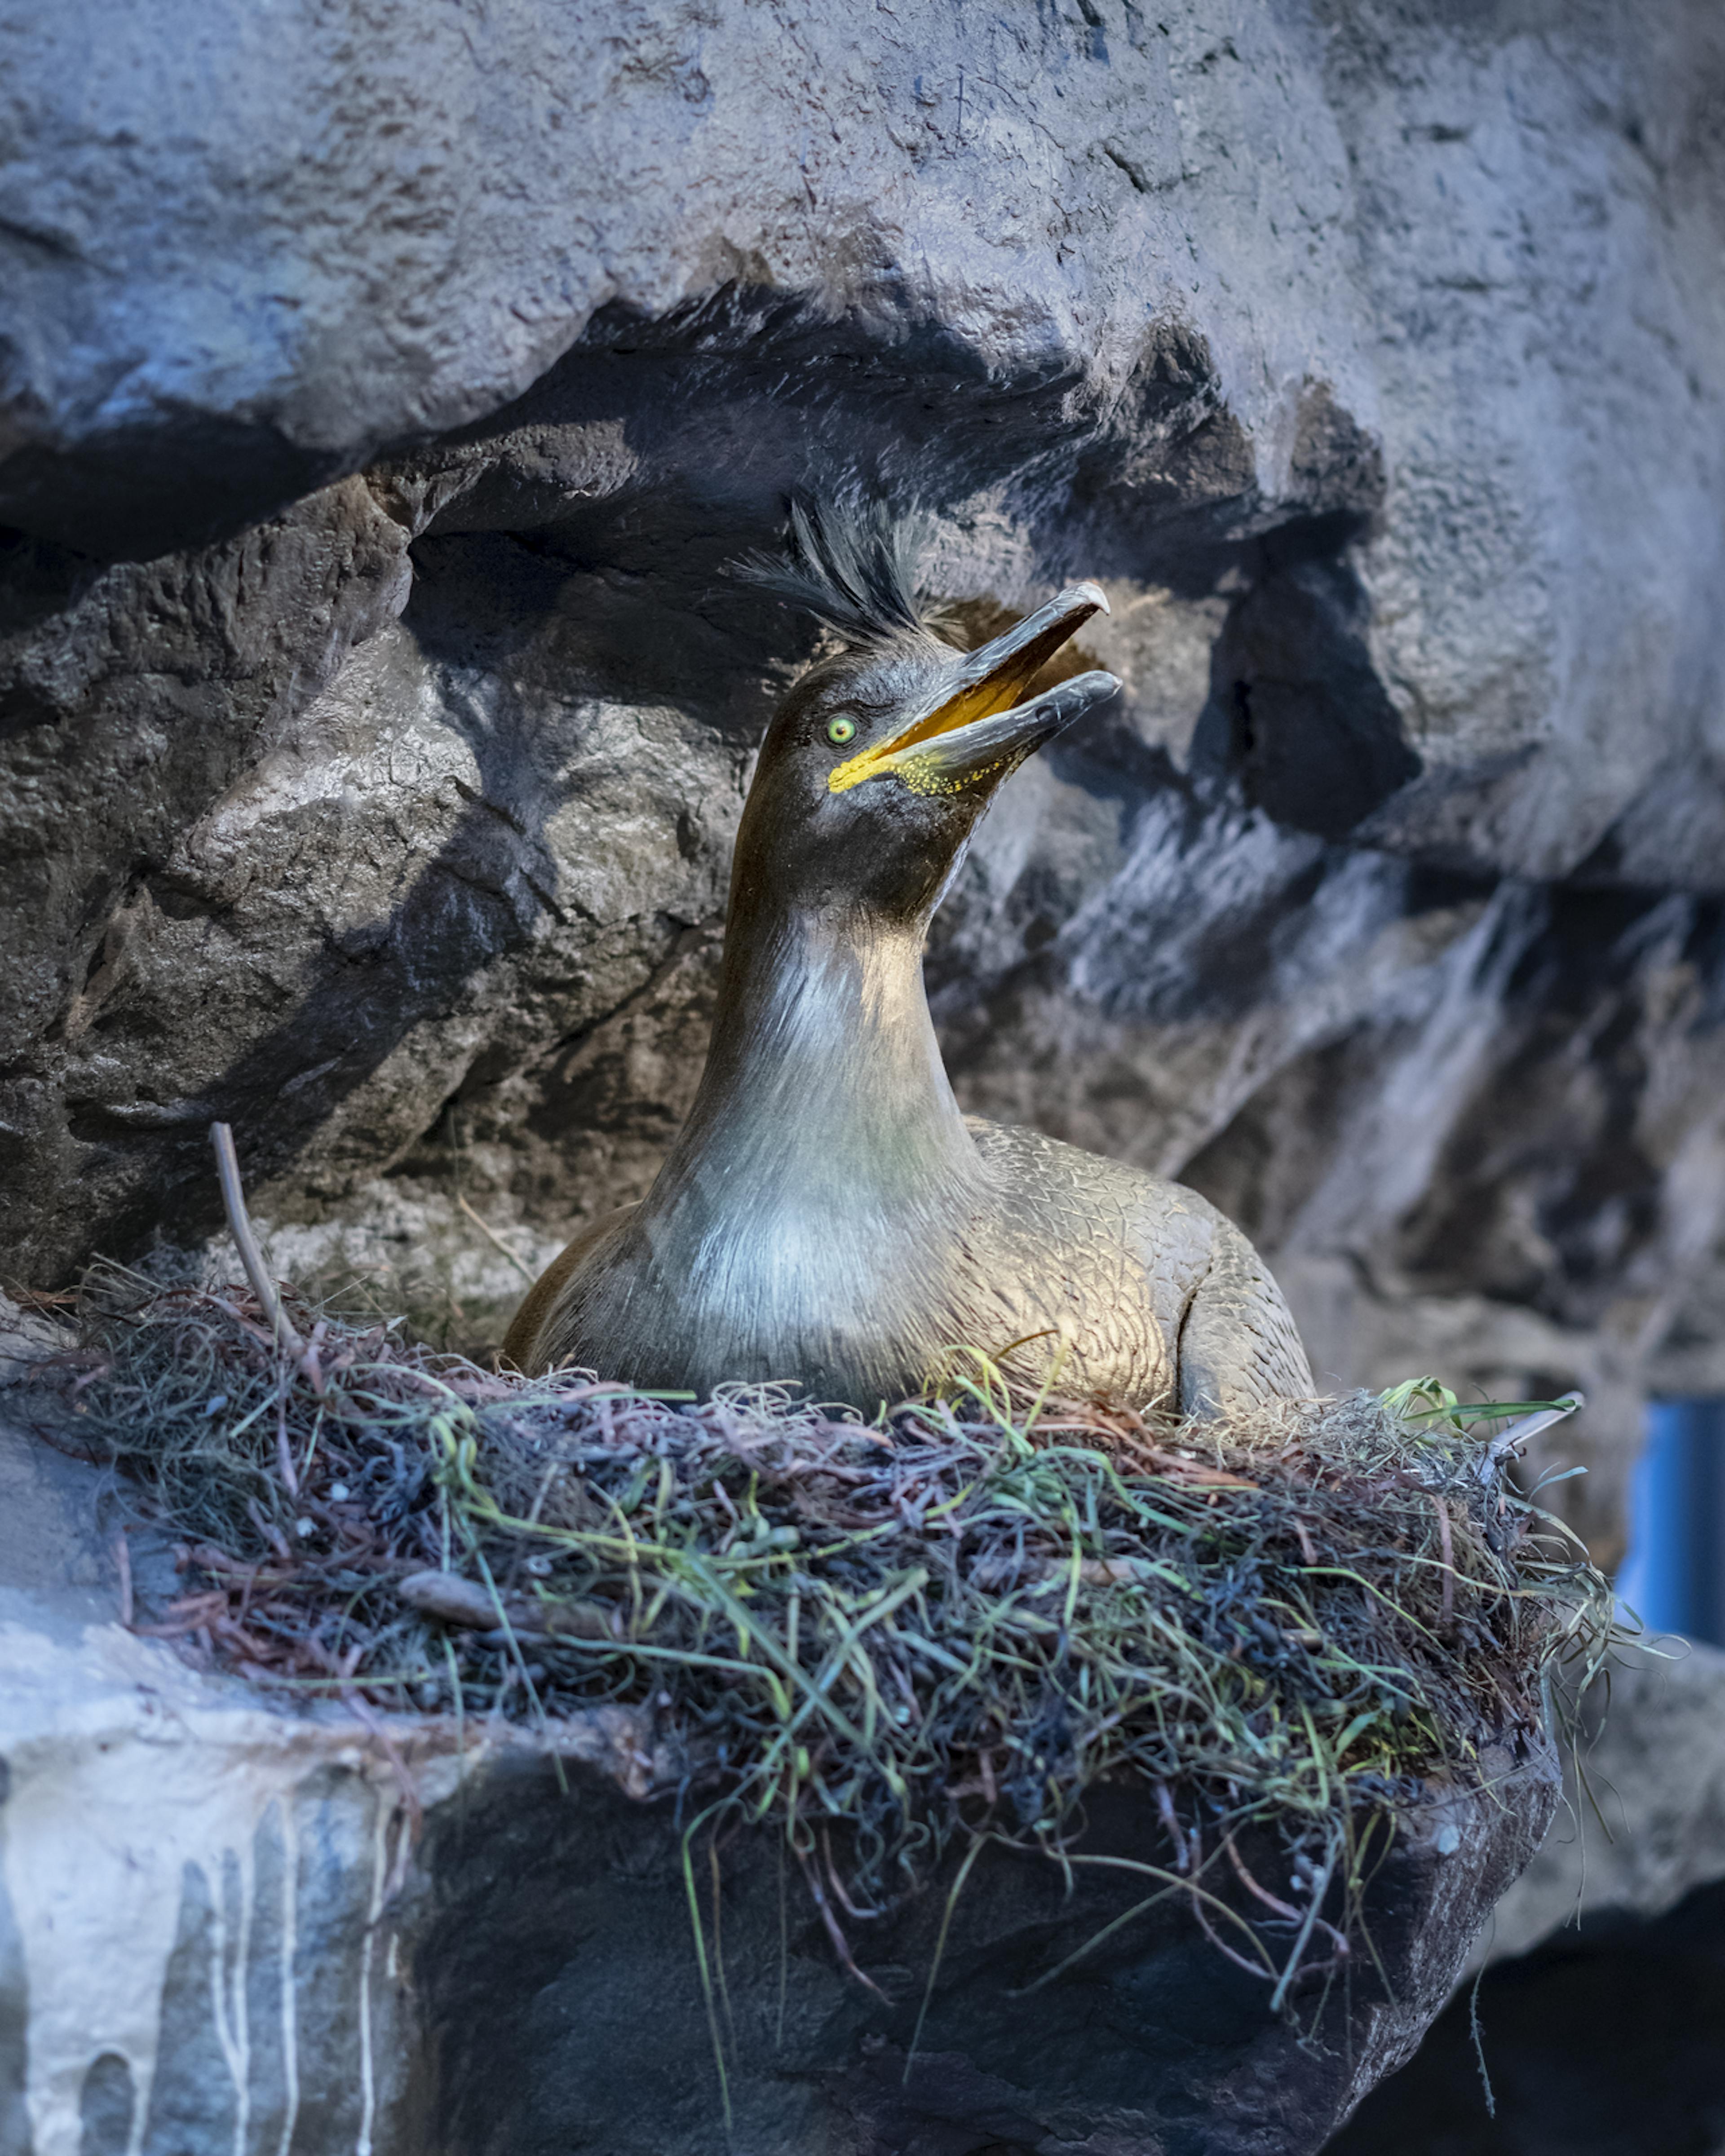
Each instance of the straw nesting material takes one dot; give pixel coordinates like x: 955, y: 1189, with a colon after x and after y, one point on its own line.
x: 948, y: 1622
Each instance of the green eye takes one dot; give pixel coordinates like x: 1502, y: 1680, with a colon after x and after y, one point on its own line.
x: 840, y: 731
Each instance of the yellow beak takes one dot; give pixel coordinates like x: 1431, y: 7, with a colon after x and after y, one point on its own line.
x: 981, y: 686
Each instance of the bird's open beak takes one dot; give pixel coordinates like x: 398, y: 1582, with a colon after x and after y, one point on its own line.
x: 974, y: 727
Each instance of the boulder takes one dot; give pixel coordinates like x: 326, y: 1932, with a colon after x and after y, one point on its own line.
x: 383, y: 398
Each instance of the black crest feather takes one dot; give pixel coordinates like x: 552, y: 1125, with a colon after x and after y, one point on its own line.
x: 851, y: 563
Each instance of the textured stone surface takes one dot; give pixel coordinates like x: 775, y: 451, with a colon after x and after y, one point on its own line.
x: 555, y: 1975
x: 1371, y: 354
x: 1618, y: 1925
x: 1653, y: 1756
x: 227, y: 1927
x: 1653, y: 1987
x: 201, y: 1943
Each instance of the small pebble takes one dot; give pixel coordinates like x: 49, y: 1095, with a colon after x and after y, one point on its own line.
x: 1447, y: 1840
x: 339, y: 1493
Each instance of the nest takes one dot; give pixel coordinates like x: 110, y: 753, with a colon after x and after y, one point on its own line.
x: 943, y: 1626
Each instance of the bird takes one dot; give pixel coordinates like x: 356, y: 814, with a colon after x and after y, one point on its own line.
x: 827, y: 1215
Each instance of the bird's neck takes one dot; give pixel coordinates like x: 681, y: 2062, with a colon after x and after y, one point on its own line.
x: 824, y: 1096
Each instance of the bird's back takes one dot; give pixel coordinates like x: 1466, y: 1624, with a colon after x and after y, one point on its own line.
x: 1154, y: 1297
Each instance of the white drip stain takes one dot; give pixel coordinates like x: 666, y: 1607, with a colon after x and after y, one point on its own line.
x: 290, y: 2001
x: 128, y: 1770
x: 230, y: 1960
x: 384, y: 1812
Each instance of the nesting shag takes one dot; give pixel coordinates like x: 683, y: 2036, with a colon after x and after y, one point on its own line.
x: 828, y: 1213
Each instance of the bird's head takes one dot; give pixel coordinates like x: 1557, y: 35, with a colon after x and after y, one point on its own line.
x: 881, y: 759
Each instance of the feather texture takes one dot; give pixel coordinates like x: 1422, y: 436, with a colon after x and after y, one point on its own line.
x: 852, y: 564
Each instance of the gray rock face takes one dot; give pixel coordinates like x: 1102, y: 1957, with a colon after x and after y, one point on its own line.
x: 383, y: 399
x: 198, y: 1946
x: 552, y: 1965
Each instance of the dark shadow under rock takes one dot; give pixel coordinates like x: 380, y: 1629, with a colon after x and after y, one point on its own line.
x: 551, y: 1956
x: 1608, y: 2040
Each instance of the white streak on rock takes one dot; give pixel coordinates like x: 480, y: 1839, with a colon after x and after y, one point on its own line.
x: 374, y: 1916
x: 128, y: 1770
x: 290, y: 1942
x: 131, y: 1774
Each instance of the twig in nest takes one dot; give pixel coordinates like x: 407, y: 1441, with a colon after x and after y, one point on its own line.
x: 838, y: 1884
x: 1306, y: 1918
x: 284, y: 1453
x: 1319, y: 1887
x: 1221, y: 1946
x: 268, y: 1529
x: 1446, y: 1542
x: 1170, y: 1819
x: 240, y: 1226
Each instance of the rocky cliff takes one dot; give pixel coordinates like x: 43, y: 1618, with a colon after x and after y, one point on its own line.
x: 383, y: 392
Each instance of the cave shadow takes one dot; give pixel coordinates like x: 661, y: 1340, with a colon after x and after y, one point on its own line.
x: 1297, y: 723
x: 1607, y: 2041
